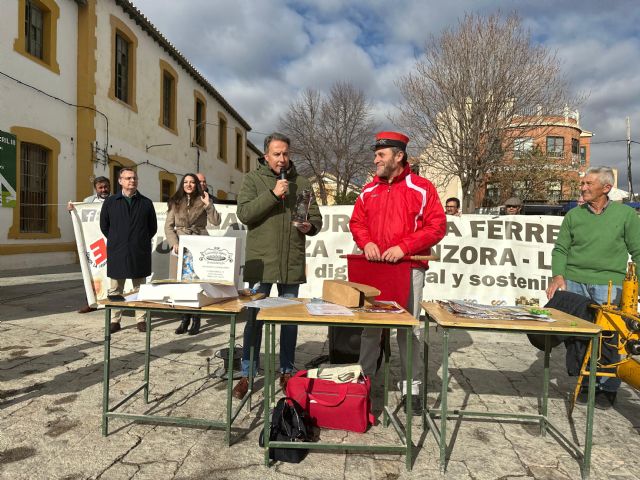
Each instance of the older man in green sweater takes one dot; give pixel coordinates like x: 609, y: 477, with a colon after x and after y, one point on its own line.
x: 593, y: 247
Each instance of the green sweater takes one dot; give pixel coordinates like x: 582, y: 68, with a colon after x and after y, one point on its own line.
x: 594, y: 248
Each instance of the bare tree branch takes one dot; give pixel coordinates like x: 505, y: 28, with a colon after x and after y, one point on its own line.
x: 473, y: 85
x: 331, y: 134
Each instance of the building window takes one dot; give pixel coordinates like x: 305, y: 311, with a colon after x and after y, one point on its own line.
x: 583, y: 155
x: 166, y: 189
x: 115, y: 185
x: 34, y: 168
x: 555, y: 147
x: 521, y: 189
x: 168, y: 97
x: 239, y: 152
x: 222, y: 137
x: 492, y: 196
x: 167, y: 185
x: 33, y: 29
x: 200, y: 126
x: 38, y: 32
x: 522, y: 147
x: 35, y: 215
x: 554, y: 190
x: 122, y: 68
x: 247, y: 163
x: 200, y: 115
x: 575, y: 146
x: 123, y: 61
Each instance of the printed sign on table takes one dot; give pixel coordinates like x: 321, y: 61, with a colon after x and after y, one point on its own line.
x: 209, y: 259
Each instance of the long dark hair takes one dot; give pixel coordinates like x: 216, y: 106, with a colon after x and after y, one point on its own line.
x: 180, y: 194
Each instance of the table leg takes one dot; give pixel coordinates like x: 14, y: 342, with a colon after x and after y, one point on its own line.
x: 593, y: 366
x: 409, y: 397
x: 232, y: 343
x: 443, y: 399
x: 147, y: 356
x: 272, y: 387
x: 252, y: 355
x: 266, y: 429
x: 425, y: 370
x: 107, y: 366
x: 385, y: 395
x: 545, y: 386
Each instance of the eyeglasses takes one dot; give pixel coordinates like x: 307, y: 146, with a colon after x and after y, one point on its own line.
x: 512, y: 206
x: 450, y: 206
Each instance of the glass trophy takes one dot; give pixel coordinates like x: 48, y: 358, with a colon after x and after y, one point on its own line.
x: 301, y: 212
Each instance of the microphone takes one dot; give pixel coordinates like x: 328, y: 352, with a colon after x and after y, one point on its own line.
x: 282, y: 176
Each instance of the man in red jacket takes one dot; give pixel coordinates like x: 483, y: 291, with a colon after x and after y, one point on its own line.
x: 398, y: 214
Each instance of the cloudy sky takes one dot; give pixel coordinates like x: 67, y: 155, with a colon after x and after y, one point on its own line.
x: 260, y: 54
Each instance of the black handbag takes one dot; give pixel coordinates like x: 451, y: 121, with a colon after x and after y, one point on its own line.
x: 289, y: 423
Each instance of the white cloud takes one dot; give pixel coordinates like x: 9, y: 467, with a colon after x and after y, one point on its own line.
x: 261, y: 53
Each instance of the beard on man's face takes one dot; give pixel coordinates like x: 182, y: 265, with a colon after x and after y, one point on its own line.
x: 385, y: 171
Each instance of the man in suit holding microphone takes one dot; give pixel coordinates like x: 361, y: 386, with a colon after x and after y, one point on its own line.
x: 275, y: 249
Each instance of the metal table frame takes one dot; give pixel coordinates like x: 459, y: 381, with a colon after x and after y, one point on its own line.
x: 388, y: 414
x: 542, y: 418
x: 110, y: 412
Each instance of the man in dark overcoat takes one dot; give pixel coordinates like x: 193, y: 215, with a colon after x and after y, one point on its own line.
x: 128, y: 221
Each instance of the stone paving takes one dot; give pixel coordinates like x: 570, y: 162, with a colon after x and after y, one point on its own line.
x: 51, y: 361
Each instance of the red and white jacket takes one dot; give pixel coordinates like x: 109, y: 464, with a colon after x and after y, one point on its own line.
x: 405, y: 211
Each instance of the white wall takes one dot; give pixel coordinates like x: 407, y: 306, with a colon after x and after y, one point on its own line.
x: 130, y: 132
x: 23, y: 107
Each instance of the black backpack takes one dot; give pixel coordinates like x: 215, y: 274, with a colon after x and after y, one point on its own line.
x: 289, y: 423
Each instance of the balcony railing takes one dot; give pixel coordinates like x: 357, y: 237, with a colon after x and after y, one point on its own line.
x: 539, y: 111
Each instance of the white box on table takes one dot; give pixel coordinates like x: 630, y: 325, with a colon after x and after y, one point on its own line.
x: 186, y: 294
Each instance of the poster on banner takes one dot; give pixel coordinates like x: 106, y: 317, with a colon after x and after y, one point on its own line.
x: 488, y: 259
x: 209, y: 259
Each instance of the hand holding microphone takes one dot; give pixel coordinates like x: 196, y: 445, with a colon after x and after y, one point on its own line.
x: 282, y: 185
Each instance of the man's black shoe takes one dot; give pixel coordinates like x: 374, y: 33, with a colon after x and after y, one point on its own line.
x: 605, y: 400
x: 114, y: 327
x: 416, y: 406
x: 583, y: 396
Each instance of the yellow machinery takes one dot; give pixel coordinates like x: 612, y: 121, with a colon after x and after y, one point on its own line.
x: 624, y: 321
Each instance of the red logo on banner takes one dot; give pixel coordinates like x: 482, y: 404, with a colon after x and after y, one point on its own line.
x: 99, y: 250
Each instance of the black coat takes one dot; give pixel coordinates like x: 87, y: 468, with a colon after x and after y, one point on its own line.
x: 129, y: 231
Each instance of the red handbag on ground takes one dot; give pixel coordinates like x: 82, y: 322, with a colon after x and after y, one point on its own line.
x: 339, y: 406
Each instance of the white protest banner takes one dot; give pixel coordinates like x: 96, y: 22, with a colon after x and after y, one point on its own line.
x: 494, y: 260
x: 505, y: 259
x: 92, y: 249
x: 484, y: 258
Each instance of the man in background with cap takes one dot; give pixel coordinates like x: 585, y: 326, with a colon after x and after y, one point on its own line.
x: 512, y: 206
x: 398, y: 214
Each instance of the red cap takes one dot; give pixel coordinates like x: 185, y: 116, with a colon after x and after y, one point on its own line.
x: 391, y: 139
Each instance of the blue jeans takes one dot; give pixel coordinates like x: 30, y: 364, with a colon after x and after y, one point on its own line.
x: 598, y: 293
x: 288, y: 333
